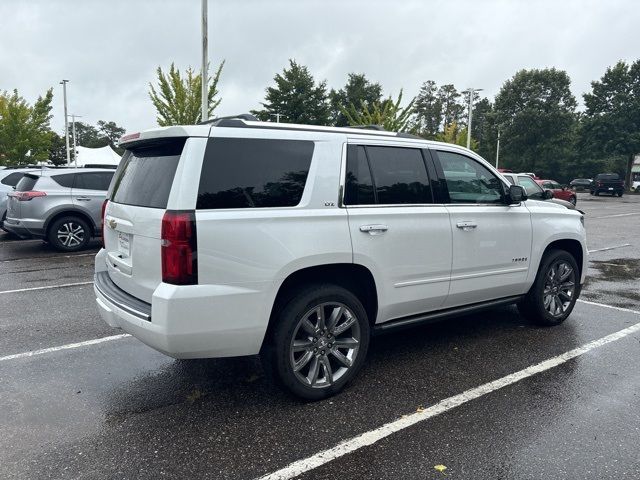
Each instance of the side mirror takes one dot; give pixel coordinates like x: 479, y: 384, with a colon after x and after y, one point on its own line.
x: 517, y: 194
x: 548, y: 194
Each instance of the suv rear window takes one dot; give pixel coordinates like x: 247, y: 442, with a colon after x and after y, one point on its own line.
x: 607, y: 176
x: 145, y: 174
x: 253, y: 173
x: 27, y: 182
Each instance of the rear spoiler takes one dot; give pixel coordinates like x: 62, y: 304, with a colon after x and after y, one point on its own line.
x: 138, y: 138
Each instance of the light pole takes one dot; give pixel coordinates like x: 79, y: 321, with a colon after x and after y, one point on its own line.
x: 277, y: 115
x: 205, y: 53
x: 73, y: 129
x: 66, y: 120
x: 470, y: 115
x: 498, y: 149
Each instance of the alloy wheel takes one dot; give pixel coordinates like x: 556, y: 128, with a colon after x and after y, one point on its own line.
x: 559, y: 288
x: 325, y: 344
x: 70, y: 234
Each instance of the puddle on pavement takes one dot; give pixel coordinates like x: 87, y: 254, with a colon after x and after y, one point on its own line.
x: 623, y: 273
x: 619, y: 269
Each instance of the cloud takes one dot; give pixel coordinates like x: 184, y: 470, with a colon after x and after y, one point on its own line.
x: 109, y: 50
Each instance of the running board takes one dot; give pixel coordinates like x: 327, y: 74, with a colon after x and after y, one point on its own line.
x: 424, y: 318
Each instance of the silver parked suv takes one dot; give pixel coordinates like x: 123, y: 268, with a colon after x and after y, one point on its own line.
x: 61, y: 206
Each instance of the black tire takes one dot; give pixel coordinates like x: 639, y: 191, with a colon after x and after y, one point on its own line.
x: 597, y: 193
x: 69, y: 234
x: 620, y: 194
x: 573, y: 201
x: 279, y: 356
x: 533, y: 308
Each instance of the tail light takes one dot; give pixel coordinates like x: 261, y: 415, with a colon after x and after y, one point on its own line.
x: 26, y: 196
x: 179, y: 248
x: 104, y: 209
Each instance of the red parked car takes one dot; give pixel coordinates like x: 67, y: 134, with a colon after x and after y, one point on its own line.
x: 558, y: 190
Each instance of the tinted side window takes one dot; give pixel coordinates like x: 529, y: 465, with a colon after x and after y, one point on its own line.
x: 12, y: 179
x: 399, y: 175
x: 358, y: 185
x: 468, y: 181
x: 65, y: 180
x: 93, y: 181
x: 253, y: 173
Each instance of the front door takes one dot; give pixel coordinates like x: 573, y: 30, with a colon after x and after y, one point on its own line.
x: 397, y: 232
x: 491, y: 239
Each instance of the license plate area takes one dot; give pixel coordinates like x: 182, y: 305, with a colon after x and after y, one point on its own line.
x: 610, y: 188
x: 124, y: 244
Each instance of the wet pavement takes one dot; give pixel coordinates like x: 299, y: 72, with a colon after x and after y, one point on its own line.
x: 121, y: 410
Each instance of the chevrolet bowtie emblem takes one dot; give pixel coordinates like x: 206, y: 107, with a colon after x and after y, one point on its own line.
x: 112, y: 224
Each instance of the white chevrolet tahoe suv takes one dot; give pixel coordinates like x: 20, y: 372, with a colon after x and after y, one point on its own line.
x: 299, y: 242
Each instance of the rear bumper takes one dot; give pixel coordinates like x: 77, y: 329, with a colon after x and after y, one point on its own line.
x: 24, y: 228
x: 200, y: 321
x: 615, y: 190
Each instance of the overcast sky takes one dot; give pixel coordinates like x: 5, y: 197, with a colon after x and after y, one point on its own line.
x: 109, y: 49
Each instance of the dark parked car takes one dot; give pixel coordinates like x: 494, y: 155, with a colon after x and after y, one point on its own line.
x: 610, y: 183
x: 580, y: 183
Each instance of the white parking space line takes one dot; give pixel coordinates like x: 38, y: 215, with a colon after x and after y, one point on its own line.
x: 47, y: 287
x: 620, y: 215
x: 604, y: 249
x: 369, y: 438
x: 68, y: 346
x: 47, y: 257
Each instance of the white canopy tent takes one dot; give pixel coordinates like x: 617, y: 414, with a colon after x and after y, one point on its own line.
x: 87, y: 157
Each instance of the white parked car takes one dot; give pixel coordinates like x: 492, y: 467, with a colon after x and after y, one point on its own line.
x: 298, y: 242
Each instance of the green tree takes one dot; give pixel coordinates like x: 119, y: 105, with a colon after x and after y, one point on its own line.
x: 427, y: 118
x: 453, y: 133
x: 24, y: 130
x: 485, y: 131
x: 86, y: 136
x: 112, y: 133
x: 357, y: 91
x: 296, y: 98
x: 388, y: 114
x: 57, y: 149
x: 535, y: 111
x: 612, y: 119
x: 177, y: 98
x: 452, y: 104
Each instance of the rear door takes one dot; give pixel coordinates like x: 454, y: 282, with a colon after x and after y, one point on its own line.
x: 138, y: 198
x: 397, y: 231
x: 89, y: 192
x: 491, y: 238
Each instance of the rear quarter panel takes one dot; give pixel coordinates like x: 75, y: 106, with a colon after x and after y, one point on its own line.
x: 256, y: 249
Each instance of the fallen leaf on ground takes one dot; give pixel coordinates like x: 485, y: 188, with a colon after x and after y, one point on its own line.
x: 440, y: 468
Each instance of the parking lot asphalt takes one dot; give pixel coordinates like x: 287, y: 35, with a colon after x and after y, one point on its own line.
x: 118, y: 409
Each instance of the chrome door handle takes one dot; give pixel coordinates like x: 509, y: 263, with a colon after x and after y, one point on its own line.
x: 466, y: 226
x: 83, y: 199
x: 374, y: 229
